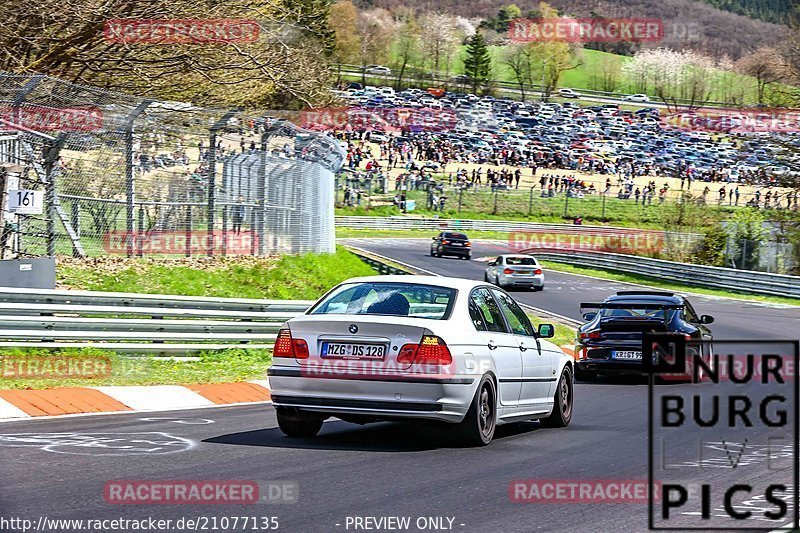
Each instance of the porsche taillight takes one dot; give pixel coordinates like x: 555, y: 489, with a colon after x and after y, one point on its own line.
x: 431, y: 350
x: 591, y: 335
x: 286, y: 346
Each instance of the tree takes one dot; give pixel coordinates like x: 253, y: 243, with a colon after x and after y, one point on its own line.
x: 605, y: 75
x: 407, y: 45
x: 517, y: 58
x: 505, y: 15
x: 550, y: 59
x: 347, y: 43
x: 286, y: 60
x: 478, y: 62
x: 764, y: 66
x: 374, y: 29
x: 439, y: 39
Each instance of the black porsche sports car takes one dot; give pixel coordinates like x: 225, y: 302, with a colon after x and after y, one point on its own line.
x: 610, y: 342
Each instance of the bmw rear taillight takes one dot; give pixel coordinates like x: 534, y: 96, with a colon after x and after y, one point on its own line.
x: 537, y: 271
x: 431, y: 350
x: 467, y: 243
x: 445, y: 242
x: 300, y: 349
x: 507, y: 271
x: 283, y: 344
x: 286, y: 346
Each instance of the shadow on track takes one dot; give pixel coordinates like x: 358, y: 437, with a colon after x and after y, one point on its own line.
x: 375, y: 437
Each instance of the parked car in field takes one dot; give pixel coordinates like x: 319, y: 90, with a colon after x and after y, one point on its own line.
x: 378, y: 69
x: 610, y: 342
x: 515, y: 271
x: 569, y: 93
x: 418, y: 348
x: 451, y: 243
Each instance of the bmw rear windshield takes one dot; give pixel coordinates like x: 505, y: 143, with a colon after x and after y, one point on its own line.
x: 388, y: 299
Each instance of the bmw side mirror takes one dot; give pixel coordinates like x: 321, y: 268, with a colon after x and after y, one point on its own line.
x: 589, y: 316
x: 433, y: 238
x: 706, y: 319
x: 546, y: 331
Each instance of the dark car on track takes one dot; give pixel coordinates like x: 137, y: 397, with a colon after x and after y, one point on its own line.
x: 451, y: 243
x: 610, y: 342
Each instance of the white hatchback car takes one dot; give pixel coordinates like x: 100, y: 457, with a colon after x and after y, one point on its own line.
x: 418, y: 348
x: 515, y: 270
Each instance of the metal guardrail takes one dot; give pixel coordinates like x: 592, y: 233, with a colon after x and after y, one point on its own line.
x: 144, y: 323
x: 693, y: 275
x: 379, y: 263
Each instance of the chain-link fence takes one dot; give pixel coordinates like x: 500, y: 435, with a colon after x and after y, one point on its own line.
x: 110, y: 173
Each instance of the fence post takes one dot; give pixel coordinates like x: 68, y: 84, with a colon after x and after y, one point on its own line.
x: 50, y: 190
x: 494, y: 211
x: 460, y: 196
x: 530, y: 202
x: 76, y: 224
x: 140, y: 235
x: 130, y: 181
x: 188, y: 231
x: 212, y: 175
x: 603, y: 215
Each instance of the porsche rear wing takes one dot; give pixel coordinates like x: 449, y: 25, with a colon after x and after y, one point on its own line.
x: 637, y: 306
x: 613, y: 305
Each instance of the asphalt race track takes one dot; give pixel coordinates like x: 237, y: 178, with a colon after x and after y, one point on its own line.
x: 58, y: 468
x: 563, y: 293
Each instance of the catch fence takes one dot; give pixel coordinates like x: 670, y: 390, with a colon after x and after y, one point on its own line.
x: 110, y: 173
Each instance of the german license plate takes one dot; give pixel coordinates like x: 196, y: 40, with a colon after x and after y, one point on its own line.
x: 523, y: 271
x: 353, y: 350
x: 629, y: 355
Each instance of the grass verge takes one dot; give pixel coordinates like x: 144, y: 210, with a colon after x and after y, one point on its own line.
x: 210, y: 367
x: 288, y: 277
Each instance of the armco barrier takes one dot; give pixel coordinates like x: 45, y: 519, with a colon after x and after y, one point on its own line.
x: 692, y: 275
x: 142, y: 323
x: 145, y: 323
